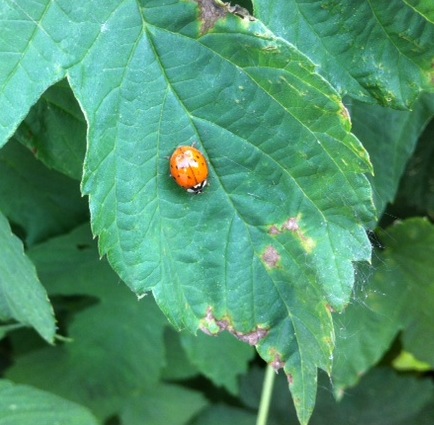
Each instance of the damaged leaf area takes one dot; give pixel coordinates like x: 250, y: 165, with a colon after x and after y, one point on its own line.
x: 271, y: 257
x: 292, y: 225
x: 212, y: 326
x: 213, y: 10
x: 210, y: 13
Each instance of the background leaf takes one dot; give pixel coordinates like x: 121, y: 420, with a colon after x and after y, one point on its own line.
x: 40, y: 202
x: 220, y: 359
x: 399, y: 297
x: 417, y: 184
x: 116, y: 327
x: 55, y: 130
x: 22, y: 297
x: 390, y: 137
x: 218, y: 414
x: 23, y: 405
x: 368, y: 50
x: 382, y: 397
x: 166, y: 404
x: 407, y: 362
x: 178, y: 366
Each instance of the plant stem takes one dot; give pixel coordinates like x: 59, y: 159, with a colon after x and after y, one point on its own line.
x: 267, y: 391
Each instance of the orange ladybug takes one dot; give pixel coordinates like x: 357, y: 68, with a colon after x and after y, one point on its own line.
x: 189, y: 168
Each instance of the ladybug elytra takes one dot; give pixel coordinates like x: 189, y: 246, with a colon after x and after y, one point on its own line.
x: 189, y: 168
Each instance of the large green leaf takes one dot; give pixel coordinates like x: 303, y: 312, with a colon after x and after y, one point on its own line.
x: 264, y: 232
x: 380, y: 50
x: 22, y: 296
x: 23, y: 405
x: 396, y: 294
x: 270, y: 245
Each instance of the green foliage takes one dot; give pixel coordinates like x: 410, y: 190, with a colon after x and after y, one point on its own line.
x: 22, y: 405
x: 292, y: 107
x: 22, y: 297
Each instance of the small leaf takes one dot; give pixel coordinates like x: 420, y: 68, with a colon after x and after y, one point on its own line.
x: 23, y: 405
x: 22, y: 296
x: 408, y: 363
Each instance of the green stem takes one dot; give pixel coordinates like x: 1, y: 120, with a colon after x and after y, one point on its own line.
x: 267, y: 391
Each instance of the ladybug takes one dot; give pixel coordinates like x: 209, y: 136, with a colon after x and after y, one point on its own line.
x: 189, y: 168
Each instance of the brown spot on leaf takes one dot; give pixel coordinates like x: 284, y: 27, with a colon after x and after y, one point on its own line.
x: 213, y: 326
x: 290, y: 379
x: 210, y: 13
x: 271, y: 257
x: 213, y: 10
x: 330, y: 308
x: 277, y: 363
x: 274, y: 231
x: 251, y: 338
x: 345, y: 114
x: 293, y: 225
x: 206, y: 331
